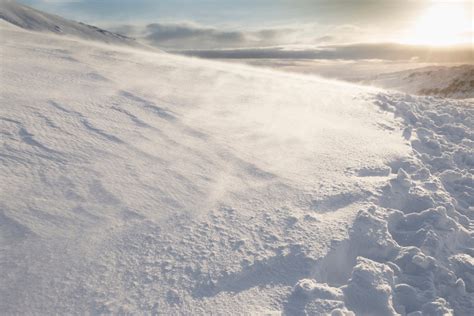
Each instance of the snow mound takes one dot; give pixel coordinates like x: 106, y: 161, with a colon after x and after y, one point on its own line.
x: 34, y: 20
x: 455, y: 82
x: 411, y: 251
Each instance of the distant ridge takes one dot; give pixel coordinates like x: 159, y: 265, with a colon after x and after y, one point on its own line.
x: 455, y: 82
x: 34, y: 20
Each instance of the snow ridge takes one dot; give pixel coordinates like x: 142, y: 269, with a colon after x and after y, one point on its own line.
x: 34, y: 20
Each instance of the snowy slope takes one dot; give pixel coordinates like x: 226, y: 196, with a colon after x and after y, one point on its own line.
x: 443, y: 81
x: 34, y: 20
x: 141, y: 182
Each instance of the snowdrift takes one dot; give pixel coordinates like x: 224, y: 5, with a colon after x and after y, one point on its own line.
x: 142, y: 182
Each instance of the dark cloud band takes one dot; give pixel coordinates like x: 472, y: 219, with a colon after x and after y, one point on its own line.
x: 384, y: 51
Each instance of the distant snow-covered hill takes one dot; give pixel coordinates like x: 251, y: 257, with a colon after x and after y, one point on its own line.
x: 34, y: 20
x: 449, y: 82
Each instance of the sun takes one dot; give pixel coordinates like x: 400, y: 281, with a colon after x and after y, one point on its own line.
x: 441, y: 24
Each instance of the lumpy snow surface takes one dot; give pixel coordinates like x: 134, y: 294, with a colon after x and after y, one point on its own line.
x: 141, y: 182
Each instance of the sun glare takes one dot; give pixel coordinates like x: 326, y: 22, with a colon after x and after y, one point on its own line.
x: 441, y: 24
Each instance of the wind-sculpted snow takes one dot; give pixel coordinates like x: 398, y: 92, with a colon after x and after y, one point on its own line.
x: 145, y: 183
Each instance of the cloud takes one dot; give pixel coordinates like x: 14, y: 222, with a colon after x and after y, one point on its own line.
x: 362, y: 51
x: 55, y: 1
x: 292, y: 41
x: 192, y: 35
x: 189, y: 35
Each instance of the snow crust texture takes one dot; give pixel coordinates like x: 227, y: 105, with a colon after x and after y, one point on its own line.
x: 135, y: 182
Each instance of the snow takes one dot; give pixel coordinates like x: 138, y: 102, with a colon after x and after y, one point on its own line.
x: 140, y: 182
x: 31, y: 19
x: 443, y: 81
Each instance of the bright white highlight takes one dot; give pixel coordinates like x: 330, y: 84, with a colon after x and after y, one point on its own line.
x: 442, y: 24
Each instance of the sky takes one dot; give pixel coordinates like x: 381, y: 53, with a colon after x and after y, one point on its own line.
x: 285, y: 29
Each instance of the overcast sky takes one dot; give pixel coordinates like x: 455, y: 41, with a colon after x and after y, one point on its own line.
x: 238, y: 12
x: 278, y: 28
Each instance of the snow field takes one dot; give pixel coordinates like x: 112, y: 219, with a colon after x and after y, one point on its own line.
x: 141, y: 182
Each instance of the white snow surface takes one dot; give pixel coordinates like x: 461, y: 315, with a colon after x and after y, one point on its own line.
x: 455, y: 82
x: 142, y: 182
